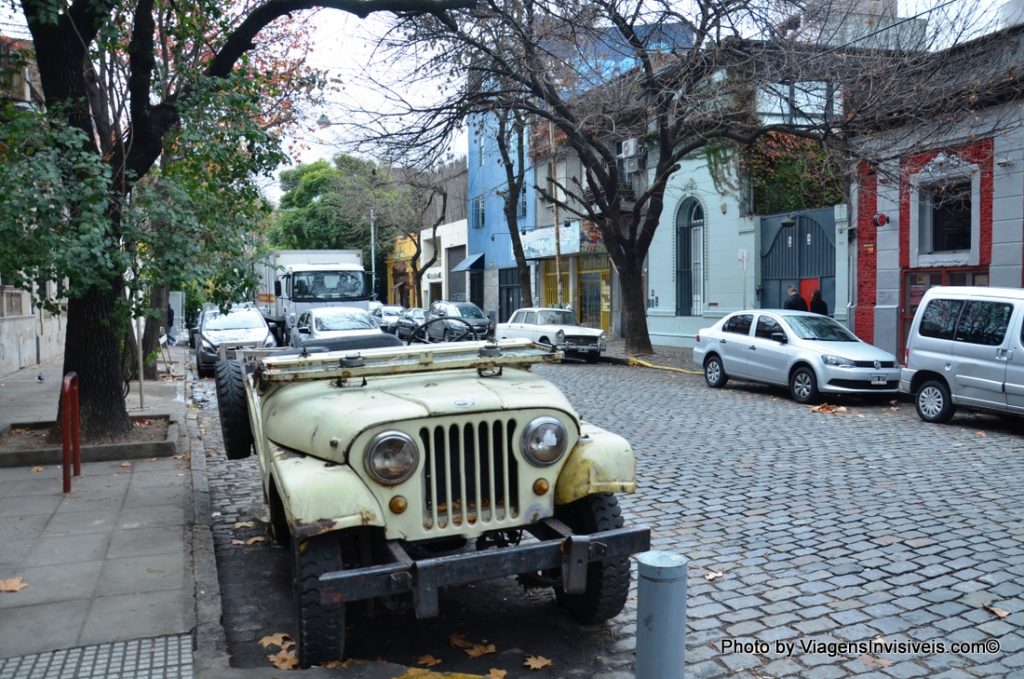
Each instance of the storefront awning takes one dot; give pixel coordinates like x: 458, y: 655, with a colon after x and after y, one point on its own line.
x: 471, y: 262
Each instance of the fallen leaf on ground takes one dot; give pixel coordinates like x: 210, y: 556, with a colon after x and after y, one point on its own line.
x: 495, y: 673
x: 477, y: 650
x: 254, y: 540
x: 536, y: 662
x: 335, y: 665
x: 238, y: 542
x: 456, y: 640
x: 15, y: 584
x: 427, y: 660
x: 126, y: 464
x: 278, y: 639
x: 998, y: 612
x: 872, y: 661
x: 979, y: 433
x: 285, y: 659
x: 152, y: 459
x: 242, y: 524
x: 828, y: 408
x: 713, y: 575
x: 37, y: 469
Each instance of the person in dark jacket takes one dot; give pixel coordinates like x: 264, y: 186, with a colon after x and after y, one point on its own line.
x: 795, y: 302
x: 818, y: 305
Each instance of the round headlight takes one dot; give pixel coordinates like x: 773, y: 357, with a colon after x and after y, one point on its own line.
x: 544, y: 441
x: 391, y: 457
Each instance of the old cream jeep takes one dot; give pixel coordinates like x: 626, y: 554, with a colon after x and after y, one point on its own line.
x: 395, y: 471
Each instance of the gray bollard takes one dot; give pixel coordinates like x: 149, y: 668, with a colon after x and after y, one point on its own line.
x: 661, y: 616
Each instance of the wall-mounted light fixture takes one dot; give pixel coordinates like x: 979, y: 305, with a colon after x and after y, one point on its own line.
x: 788, y: 222
x: 881, y: 219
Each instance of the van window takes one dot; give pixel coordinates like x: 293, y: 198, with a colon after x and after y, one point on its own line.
x: 739, y: 324
x: 984, y: 323
x: 939, y: 318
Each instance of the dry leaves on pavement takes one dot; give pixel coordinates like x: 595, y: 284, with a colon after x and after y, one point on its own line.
x: 15, y: 584
x: 872, y: 661
x: 828, y: 409
x: 285, y: 658
x: 477, y: 650
x: 495, y: 673
x: 456, y: 640
x: 998, y: 612
x: 428, y: 660
x: 242, y: 524
x: 126, y: 463
x: 536, y: 662
x: 36, y: 470
x: 713, y: 575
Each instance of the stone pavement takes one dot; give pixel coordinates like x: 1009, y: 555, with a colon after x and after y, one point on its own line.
x: 106, y: 570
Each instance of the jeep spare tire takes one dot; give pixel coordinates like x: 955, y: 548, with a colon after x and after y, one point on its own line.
x: 234, y: 414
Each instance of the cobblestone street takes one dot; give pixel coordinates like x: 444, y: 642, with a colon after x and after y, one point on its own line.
x: 862, y: 525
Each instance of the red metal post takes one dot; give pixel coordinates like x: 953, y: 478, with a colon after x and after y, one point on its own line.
x: 70, y: 433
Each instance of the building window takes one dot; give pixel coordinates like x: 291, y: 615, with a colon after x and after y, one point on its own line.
x: 521, y: 208
x: 944, y: 216
x: 689, y: 258
x: 479, y: 213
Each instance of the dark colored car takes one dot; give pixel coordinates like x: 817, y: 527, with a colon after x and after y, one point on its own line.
x: 409, y: 320
x: 455, y: 317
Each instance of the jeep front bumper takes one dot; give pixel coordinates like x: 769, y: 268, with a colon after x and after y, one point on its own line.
x: 556, y: 547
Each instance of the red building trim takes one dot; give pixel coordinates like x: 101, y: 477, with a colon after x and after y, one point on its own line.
x: 979, y: 153
x: 867, y: 255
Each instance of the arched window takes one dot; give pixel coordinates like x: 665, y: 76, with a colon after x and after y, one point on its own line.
x: 690, y: 258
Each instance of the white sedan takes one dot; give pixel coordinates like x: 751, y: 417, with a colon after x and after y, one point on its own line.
x: 809, y: 353
x: 556, y: 327
x: 332, y: 322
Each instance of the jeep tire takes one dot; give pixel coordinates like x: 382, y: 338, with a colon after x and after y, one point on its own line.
x: 234, y: 413
x: 608, y: 580
x: 321, y: 628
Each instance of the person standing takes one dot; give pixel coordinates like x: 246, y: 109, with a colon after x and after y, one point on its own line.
x: 794, y: 302
x: 818, y: 305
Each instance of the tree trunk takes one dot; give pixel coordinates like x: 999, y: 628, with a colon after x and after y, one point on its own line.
x: 93, y: 351
x: 151, y: 336
x: 634, y: 308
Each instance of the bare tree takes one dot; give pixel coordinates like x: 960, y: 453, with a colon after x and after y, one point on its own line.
x: 720, y: 72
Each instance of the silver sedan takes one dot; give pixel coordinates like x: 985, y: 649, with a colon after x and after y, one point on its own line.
x: 809, y: 353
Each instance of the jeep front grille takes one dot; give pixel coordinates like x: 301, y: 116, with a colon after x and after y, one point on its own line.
x: 470, y: 474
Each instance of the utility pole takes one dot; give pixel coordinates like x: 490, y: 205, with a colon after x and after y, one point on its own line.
x: 373, y: 255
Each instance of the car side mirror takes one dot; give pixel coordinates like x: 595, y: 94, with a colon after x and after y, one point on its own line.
x: 277, y: 288
x: 779, y: 337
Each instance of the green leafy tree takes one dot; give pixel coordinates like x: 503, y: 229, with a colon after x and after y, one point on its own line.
x: 106, y: 72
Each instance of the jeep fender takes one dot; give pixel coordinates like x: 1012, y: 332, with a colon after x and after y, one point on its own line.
x: 601, y: 462
x: 320, y: 496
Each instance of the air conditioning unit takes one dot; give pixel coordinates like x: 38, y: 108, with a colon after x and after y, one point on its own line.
x: 628, y: 148
x: 631, y: 164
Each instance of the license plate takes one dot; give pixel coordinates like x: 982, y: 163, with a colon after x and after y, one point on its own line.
x: 878, y: 379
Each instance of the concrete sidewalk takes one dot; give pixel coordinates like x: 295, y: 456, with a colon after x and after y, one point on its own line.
x: 104, y: 574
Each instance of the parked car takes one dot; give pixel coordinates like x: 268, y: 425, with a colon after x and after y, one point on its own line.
x: 809, y: 353
x: 450, y: 321
x: 409, y: 320
x: 395, y: 472
x: 329, y: 322
x: 555, y: 327
x: 966, y: 348
x: 240, y: 327
x: 193, y: 331
x: 387, y: 317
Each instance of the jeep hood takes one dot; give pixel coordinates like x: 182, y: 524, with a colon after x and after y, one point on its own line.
x: 306, y: 416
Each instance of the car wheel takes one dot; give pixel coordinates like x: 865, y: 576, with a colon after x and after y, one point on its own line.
x: 200, y: 370
x: 803, y: 385
x: 933, y: 402
x: 714, y: 372
x: 234, y: 413
x: 607, y: 580
x: 321, y: 628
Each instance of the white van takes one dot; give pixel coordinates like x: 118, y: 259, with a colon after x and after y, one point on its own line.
x: 966, y: 348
